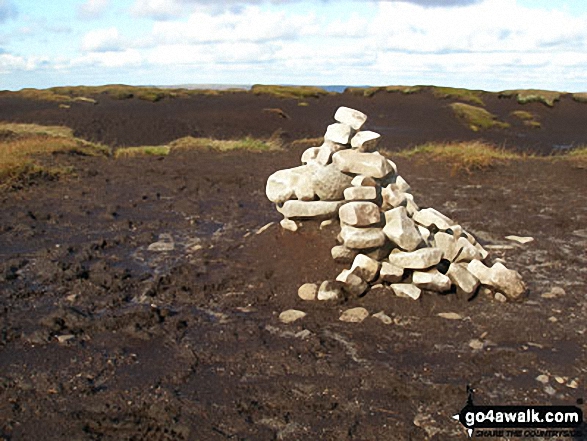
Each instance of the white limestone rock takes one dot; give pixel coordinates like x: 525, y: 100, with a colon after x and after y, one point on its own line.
x: 365, y: 141
x: 419, y: 259
x: 406, y: 290
x: 354, y: 315
x: 460, y: 276
x: 424, y: 232
x: 361, y: 238
x: 289, y: 183
x: 392, y: 197
x: 359, y: 214
x: 326, y: 150
x: 411, y: 207
x: 401, y: 230
x: 447, y: 243
x: 365, y: 267
x: 342, y: 254
x: 290, y: 225
x: 291, y: 315
x: 308, y: 291
x: 350, y: 117
x: 466, y: 251
x: 429, y: 216
x: 363, y: 181
x: 390, y: 273
x: 507, y: 281
x: 360, y: 193
x: 432, y: 280
x: 309, y: 209
x: 352, y: 283
x: 310, y: 154
x: 339, y: 133
x: 328, y: 290
x: 401, y: 184
x: 368, y: 164
x: 480, y: 271
x: 329, y: 183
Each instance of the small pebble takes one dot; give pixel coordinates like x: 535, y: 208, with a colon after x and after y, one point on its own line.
x: 383, y: 317
x: 554, y: 292
x: 450, y: 315
x: 500, y: 297
x: 573, y: 384
x: 476, y: 344
x: 291, y: 315
x: 308, y: 291
x: 354, y: 315
x: 544, y: 379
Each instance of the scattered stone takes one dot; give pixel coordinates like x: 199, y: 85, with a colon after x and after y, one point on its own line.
x: 363, y: 181
x: 326, y: 223
x: 308, y: 291
x: 508, y: 282
x: 450, y: 315
x: 264, y: 228
x: 291, y: 315
x: 293, y: 209
x: 352, y: 283
x: 550, y: 390
x: 429, y: 216
x: 288, y: 224
x: 350, y: 117
x: 329, y: 291
x: 419, y: 259
x: 406, y: 290
x: 365, y: 141
x: 338, y: 132
x: 432, y: 280
x: 476, y: 344
x: 385, y: 319
x: 401, y: 230
x: 328, y: 183
x: 354, y: 315
x: 465, y: 282
x: 365, y: 267
x: 367, y: 164
x: 520, y: 239
x: 164, y: 244
x: 310, y: 154
x: 361, y: 238
x: 500, y: 297
x: 359, y: 214
x: 360, y: 194
x: 555, y: 291
x: 342, y: 254
x: 573, y: 384
x: 559, y: 380
x: 390, y: 273
x: 544, y: 379
x: 64, y: 338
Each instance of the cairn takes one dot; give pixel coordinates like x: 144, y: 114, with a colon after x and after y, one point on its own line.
x: 384, y: 236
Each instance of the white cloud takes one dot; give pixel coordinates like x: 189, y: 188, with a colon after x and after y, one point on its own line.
x: 103, y: 40
x: 110, y: 59
x: 157, y: 9
x: 93, y: 8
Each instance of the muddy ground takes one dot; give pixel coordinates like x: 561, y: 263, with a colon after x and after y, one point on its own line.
x: 102, y: 338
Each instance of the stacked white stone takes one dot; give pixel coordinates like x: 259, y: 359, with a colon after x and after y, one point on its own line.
x: 386, y: 236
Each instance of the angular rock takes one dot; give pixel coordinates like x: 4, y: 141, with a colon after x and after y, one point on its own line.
x: 288, y: 224
x: 329, y: 291
x: 350, y: 117
x: 447, y: 244
x: 352, y: 283
x: 164, y: 244
x: 360, y: 194
x: 401, y: 184
x: 401, y: 230
x: 308, y: 291
x: 310, y: 154
x: 392, y: 165
x: 456, y: 231
x: 432, y: 280
x: 392, y: 197
x: 361, y: 238
x: 359, y: 214
x: 429, y: 216
x: 354, y: 315
x: 339, y: 133
x: 367, y: 164
x: 363, y: 181
x: 365, y: 267
x: 285, y: 184
x: 507, y: 281
x: 424, y: 232
x: 460, y: 276
x: 482, y: 251
x: 365, y: 141
x: 466, y: 251
x: 419, y: 259
x: 379, y: 253
x: 411, y: 207
x: 390, y: 273
x: 520, y: 239
x: 342, y: 254
x: 309, y: 209
x: 480, y: 271
x: 326, y: 150
x: 406, y: 290
x: 329, y: 183
x: 291, y: 315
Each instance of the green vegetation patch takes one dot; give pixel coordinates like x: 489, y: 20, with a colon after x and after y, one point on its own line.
x: 476, y: 117
x: 297, y: 92
x: 580, y: 97
x: 523, y: 96
x: 370, y: 91
x: 246, y: 143
x: 467, y: 156
x: 131, y: 152
x: 578, y: 156
x: 470, y: 96
x: 528, y: 118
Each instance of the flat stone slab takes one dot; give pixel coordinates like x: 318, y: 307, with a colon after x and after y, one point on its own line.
x: 406, y: 290
x: 294, y: 209
x: 350, y: 117
x: 366, y: 164
x: 360, y: 194
x: 419, y: 259
x: 390, y: 273
x: 359, y: 214
x: 429, y: 216
x: 365, y: 141
x: 362, y: 238
x: 432, y: 280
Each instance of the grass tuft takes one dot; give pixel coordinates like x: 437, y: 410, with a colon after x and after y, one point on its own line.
x: 546, y: 97
x: 298, y: 92
x: 246, y: 143
x: 578, y: 156
x: 131, y: 152
x: 580, y: 97
x: 470, y: 96
x: 528, y: 118
x: 476, y: 117
x: 370, y: 91
x: 467, y: 156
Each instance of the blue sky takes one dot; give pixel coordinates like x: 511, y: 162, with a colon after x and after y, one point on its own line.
x: 480, y: 44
